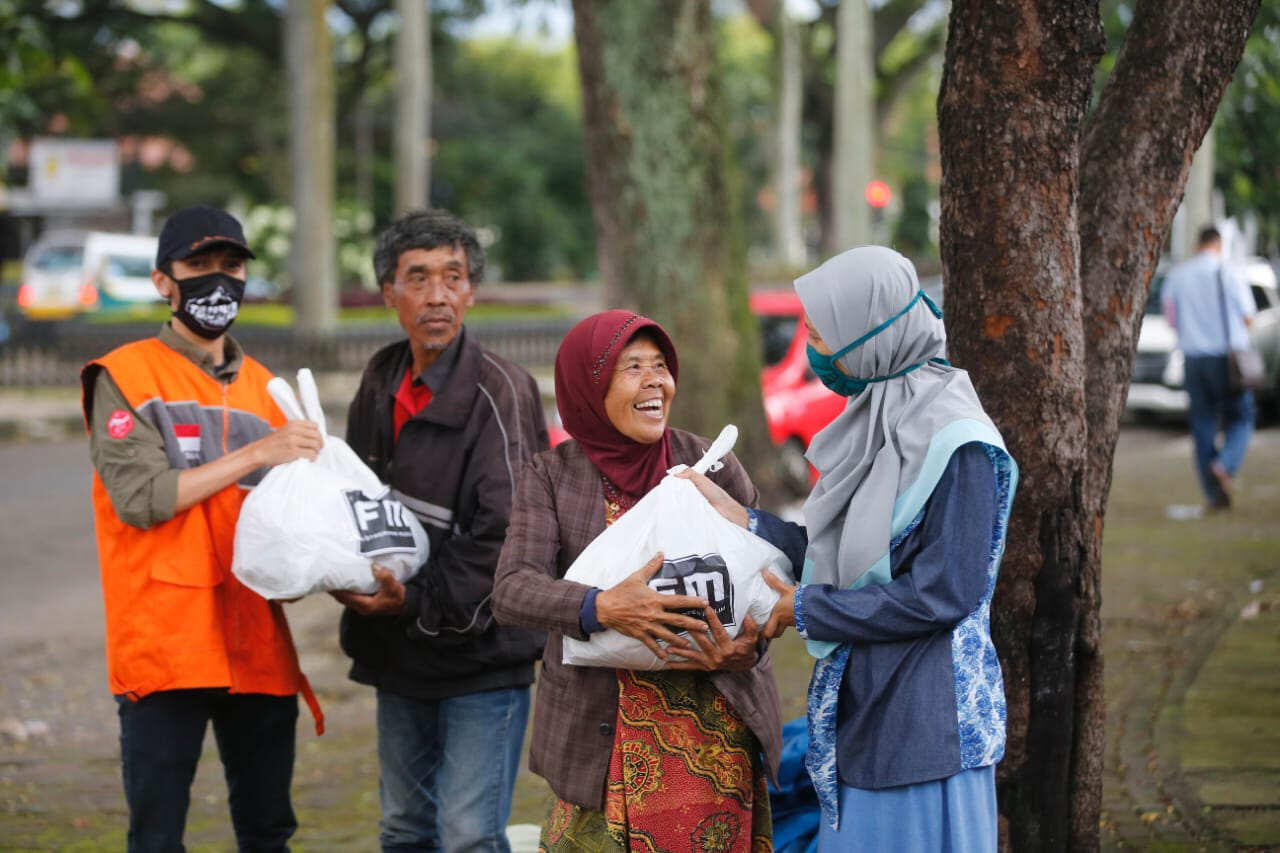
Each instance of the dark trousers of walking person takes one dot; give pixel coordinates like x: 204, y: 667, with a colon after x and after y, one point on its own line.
x: 1215, y: 408
x: 160, y: 741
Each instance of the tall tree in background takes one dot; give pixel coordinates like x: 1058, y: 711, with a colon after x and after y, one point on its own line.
x: 1052, y: 223
x: 852, y: 145
x: 788, y: 127
x: 311, y: 131
x: 667, y: 237
x: 413, y: 105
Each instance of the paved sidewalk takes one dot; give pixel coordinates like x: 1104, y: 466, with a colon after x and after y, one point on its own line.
x: 1191, y: 634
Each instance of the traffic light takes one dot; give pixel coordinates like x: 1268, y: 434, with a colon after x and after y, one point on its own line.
x: 878, y: 194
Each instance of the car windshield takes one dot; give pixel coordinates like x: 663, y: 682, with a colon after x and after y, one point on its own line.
x: 776, y: 334
x: 58, y: 259
x: 129, y: 266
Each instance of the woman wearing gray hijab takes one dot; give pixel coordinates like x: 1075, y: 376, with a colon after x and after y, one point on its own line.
x: 902, y: 541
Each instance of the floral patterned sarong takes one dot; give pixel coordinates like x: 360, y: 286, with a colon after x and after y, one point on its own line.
x: 685, y: 775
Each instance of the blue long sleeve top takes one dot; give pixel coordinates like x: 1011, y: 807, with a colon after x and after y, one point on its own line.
x: 917, y: 696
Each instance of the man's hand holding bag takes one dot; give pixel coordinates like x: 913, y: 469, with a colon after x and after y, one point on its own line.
x: 321, y: 526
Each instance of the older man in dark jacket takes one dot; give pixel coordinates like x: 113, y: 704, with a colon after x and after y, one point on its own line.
x: 448, y: 425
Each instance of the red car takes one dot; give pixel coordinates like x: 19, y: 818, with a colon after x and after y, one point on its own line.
x: 796, y: 403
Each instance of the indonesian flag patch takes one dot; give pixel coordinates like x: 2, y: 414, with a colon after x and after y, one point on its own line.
x: 188, y: 436
x: 119, y: 424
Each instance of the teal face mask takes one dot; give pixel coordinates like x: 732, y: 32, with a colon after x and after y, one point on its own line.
x: 824, y: 366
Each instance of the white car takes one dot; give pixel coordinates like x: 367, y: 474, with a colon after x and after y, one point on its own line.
x: 1157, y: 385
x: 66, y: 273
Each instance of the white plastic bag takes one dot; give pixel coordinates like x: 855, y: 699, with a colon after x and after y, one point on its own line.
x: 704, y: 554
x: 317, y: 526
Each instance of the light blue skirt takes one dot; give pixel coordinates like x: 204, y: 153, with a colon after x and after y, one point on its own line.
x: 952, y: 815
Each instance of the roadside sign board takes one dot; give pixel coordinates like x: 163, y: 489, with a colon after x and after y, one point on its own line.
x: 74, y: 171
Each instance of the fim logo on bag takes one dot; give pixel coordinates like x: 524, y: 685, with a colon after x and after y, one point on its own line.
x: 382, y: 523
x: 704, y: 576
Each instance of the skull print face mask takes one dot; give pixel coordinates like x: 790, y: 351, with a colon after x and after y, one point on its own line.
x: 208, y: 304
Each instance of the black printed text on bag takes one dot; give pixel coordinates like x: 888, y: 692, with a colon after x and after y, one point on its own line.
x: 382, y: 523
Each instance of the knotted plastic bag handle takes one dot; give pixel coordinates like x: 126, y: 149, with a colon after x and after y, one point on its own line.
x: 719, y: 449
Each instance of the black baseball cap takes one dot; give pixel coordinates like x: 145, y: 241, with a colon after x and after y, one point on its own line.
x: 197, y: 229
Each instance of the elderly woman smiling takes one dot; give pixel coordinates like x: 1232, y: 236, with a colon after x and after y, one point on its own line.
x: 661, y: 760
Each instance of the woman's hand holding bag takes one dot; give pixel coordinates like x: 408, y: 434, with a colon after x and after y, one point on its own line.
x: 633, y: 609
x: 707, y: 562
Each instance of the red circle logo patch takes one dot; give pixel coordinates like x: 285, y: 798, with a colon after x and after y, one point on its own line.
x: 119, y: 424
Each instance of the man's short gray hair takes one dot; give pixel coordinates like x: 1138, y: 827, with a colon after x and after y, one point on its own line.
x: 426, y: 229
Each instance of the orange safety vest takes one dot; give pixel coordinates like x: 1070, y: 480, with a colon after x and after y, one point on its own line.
x: 176, y: 616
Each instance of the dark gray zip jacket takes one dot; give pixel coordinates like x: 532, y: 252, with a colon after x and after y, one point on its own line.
x: 455, y: 466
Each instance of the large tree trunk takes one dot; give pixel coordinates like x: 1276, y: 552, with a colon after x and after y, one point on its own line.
x: 1049, y: 237
x: 1010, y: 113
x: 413, y: 105
x: 312, y: 266
x: 668, y: 240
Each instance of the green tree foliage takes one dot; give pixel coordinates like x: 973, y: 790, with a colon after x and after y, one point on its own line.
x: 195, y: 79
x: 745, y: 54
x: 203, y: 81
x: 1247, y: 126
x: 508, y: 126
x: 1247, y: 167
x: 912, y: 235
x: 37, y: 78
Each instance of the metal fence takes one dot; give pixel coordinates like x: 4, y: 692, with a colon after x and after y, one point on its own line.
x: 57, y: 359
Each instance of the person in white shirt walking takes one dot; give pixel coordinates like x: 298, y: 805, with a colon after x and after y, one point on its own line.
x: 1210, y: 308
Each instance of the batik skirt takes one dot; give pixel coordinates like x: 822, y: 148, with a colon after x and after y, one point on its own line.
x: 685, y: 775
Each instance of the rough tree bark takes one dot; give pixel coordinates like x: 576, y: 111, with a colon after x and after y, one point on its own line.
x: 668, y: 241
x: 1050, y: 233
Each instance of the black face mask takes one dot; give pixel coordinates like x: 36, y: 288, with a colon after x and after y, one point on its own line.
x: 208, y: 304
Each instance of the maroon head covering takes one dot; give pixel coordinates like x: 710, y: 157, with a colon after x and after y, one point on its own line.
x: 584, y: 369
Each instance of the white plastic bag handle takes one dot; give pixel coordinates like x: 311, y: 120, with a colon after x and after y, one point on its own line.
x: 282, y: 393
x: 311, y: 398
x: 719, y: 448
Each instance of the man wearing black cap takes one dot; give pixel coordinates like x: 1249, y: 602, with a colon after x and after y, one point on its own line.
x: 180, y: 427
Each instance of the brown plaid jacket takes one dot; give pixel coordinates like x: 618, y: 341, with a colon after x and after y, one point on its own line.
x: 558, y: 509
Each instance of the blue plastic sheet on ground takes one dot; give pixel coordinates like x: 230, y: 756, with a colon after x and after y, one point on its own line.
x: 795, y: 805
